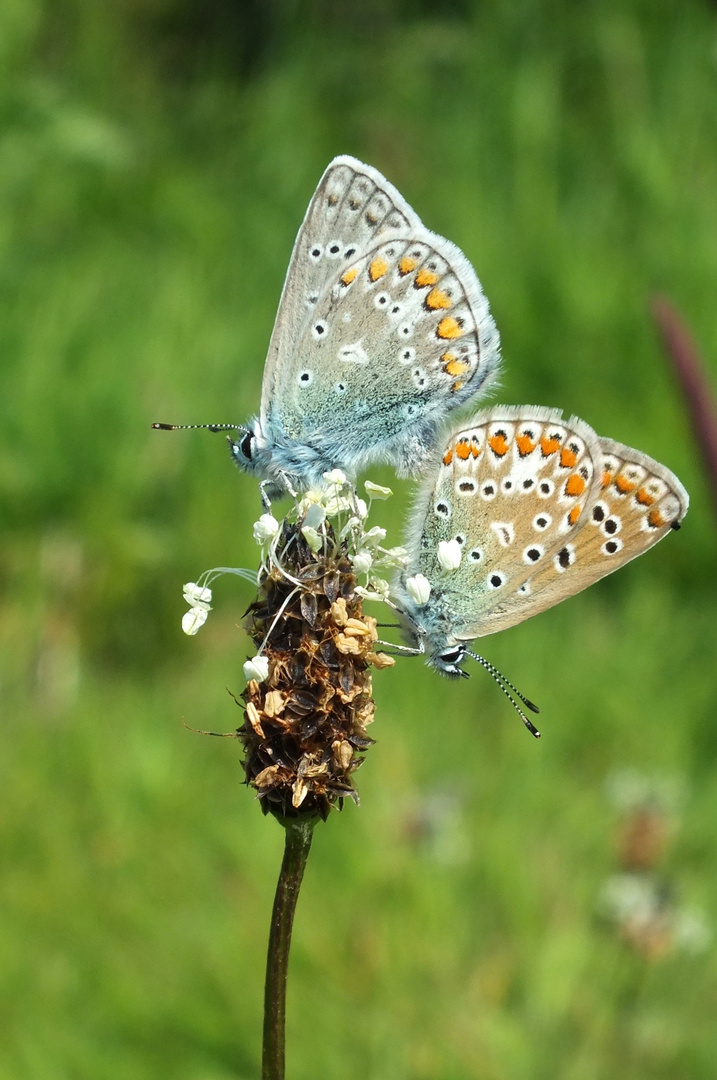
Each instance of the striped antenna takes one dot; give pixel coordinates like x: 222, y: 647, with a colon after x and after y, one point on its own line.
x: 192, y: 427
x: 506, y: 686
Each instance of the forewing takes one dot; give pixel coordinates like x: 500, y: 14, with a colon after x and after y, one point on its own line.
x: 511, y: 489
x: 352, y: 206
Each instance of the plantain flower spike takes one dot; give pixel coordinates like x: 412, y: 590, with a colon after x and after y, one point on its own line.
x: 307, y: 703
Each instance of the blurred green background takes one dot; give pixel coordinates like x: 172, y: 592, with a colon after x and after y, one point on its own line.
x: 156, y: 159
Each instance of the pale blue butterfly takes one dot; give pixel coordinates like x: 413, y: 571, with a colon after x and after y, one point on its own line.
x: 382, y: 330
x: 519, y: 510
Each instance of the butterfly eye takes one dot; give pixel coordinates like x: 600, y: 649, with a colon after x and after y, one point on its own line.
x: 245, y: 445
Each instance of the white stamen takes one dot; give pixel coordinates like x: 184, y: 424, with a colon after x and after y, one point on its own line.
x: 194, y: 619
x: 396, y: 556
x: 196, y: 595
x: 362, y: 561
x: 266, y: 528
x: 380, y: 586
x: 449, y: 554
x: 374, y: 536
x: 375, y: 491
x: 335, y: 477
x: 257, y: 668
x: 418, y: 588
x: 314, y: 516
x: 313, y: 538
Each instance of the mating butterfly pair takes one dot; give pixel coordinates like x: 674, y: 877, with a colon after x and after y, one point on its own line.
x: 382, y: 332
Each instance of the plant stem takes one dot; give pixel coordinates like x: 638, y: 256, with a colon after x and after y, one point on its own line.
x: 297, y: 844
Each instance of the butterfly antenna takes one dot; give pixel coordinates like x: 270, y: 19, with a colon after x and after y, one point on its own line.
x: 194, y: 427
x: 506, y: 686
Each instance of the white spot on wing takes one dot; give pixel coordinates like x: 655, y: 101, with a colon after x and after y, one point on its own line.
x: 353, y: 354
x: 505, y: 532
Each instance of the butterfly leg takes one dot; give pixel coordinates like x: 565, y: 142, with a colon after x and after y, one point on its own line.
x: 265, y: 500
x: 287, y: 486
x: 400, y: 650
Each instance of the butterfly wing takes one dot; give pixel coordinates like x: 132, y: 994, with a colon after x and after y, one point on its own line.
x: 637, y: 502
x: 542, y: 508
x: 382, y: 327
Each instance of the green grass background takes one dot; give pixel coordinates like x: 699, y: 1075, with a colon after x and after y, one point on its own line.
x: 156, y: 158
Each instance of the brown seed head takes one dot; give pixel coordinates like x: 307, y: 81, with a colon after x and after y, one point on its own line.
x: 304, y: 730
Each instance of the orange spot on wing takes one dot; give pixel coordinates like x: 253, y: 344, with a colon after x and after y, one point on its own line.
x: 574, y: 514
x: 575, y: 485
x: 568, y: 457
x: 425, y: 277
x: 549, y: 446
x: 377, y: 269
x: 475, y: 449
x: 447, y: 357
x: 448, y: 456
x: 437, y: 299
x: 463, y: 450
x: 455, y: 367
x: 499, y: 444
x: 606, y: 478
x: 448, y: 328
x: 655, y: 519
x: 644, y: 497
x: 406, y: 265
x: 525, y: 445
x: 349, y: 276
x: 458, y: 386
x: 623, y: 484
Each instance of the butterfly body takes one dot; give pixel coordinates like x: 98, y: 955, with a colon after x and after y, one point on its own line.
x: 520, y: 510
x: 382, y: 331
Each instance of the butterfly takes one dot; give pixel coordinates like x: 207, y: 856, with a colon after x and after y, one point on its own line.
x: 382, y: 331
x: 519, y: 510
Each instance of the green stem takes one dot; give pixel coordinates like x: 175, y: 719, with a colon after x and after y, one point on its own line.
x: 297, y: 844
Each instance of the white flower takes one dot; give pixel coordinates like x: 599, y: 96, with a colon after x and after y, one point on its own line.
x: 369, y: 594
x: 314, y: 516
x: 380, y: 586
x: 449, y: 554
x: 397, y: 556
x: 418, y: 588
x: 335, y: 476
x: 313, y: 495
x: 257, y: 668
x: 313, y: 538
x: 265, y: 528
x: 373, y: 536
x: 375, y: 491
x: 351, y: 524
x: 337, y: 504
x: 196, y: 595
x: 362, y: 561
x: 193, y: 619
x: 361, y: 509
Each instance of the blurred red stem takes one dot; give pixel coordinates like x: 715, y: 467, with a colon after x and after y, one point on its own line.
x: 694, y: 381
